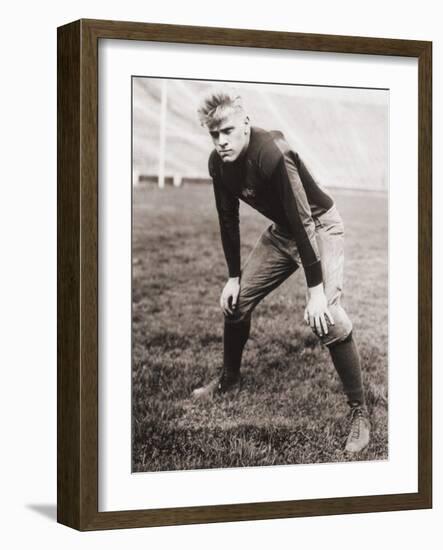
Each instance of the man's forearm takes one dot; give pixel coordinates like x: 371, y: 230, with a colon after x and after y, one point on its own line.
x: 229, y: 221
x: 230, y: 236
x: 299, y: 216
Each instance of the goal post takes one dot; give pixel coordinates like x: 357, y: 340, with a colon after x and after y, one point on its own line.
x: 162, y: 145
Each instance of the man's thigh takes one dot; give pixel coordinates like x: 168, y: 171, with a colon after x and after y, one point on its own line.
x: 266, y: 267
x: 330, y: 241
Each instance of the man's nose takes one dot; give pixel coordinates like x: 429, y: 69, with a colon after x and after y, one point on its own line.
x: 222, y: 140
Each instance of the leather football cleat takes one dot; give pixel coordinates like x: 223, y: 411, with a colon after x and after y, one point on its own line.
x: 218, y: 386
x: 359, y: 432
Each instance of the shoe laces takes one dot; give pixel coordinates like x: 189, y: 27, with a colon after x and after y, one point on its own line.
x: 357, y: 417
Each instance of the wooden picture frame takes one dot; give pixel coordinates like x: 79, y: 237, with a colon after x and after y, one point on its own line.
x: 77, y: 455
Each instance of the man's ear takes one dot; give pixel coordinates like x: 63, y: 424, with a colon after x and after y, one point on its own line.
x: 246, y: 123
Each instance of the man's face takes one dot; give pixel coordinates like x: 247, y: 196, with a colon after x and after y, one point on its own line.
x: 231, y: 135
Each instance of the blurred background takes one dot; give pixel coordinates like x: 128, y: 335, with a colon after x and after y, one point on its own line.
x: 179, y: 270
x: 341, y: 133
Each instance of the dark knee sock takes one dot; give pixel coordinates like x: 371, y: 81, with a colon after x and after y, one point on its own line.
x: 234, y: 340
x: 347, y: 364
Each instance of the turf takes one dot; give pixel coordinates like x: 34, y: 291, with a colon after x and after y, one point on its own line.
x: 291, y: 409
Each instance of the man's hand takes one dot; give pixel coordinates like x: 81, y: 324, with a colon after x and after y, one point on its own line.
x: 229, y: 295
x: 317, y: 314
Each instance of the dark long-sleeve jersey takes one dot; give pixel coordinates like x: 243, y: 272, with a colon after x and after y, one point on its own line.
x: 270, y: 177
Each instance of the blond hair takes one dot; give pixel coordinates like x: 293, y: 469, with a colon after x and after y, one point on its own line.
x: 214, y: 103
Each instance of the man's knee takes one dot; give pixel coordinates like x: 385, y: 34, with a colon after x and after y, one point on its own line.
x: 238, y: 316
x: 241, y: 313
x: 340, y: 340
x: 340, y: 330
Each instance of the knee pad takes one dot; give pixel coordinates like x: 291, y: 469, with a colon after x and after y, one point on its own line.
x: 347, y: 339
x: 341, y: 329
x: 243, y: 311
x: 239, y: 316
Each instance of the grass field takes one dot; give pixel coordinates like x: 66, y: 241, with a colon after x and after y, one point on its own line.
x: 291, y: 409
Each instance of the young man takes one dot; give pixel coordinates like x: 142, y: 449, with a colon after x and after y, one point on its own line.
x: 260, y: 168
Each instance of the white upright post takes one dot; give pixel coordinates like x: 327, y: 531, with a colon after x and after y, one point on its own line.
x: 161, y: 166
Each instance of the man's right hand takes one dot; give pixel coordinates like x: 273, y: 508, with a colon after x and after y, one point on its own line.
x: 229, y: 295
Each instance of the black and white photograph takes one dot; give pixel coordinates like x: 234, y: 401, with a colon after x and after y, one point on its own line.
x: 222, y: 250
x: 259, y: 274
